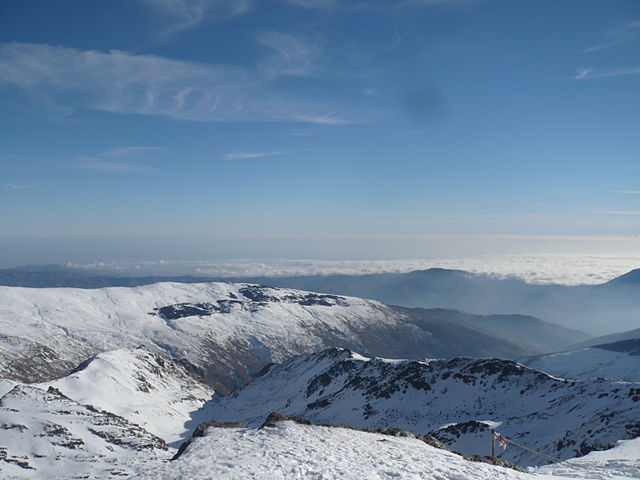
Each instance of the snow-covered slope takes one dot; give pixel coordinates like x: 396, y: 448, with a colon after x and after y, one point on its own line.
x: 148, y: 389
x: 615, y: 361
x: 561, y: 418
x: 621, y: 463
x: 45, y: 435
x: 292, y: 451
x: 220, y: 331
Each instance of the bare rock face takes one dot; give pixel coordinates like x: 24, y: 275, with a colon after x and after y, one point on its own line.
x: 501, y: 462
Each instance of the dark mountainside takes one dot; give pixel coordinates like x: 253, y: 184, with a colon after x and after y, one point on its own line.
x: 605, y: 339
x: 530, y: 333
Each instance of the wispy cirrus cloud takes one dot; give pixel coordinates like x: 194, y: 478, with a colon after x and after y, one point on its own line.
x: 617, y: 212
x: 616, y: 36
x: 180, y: 15
x: 250, y: 155
x: 627, y: 192
x: 383, y: 5
x: 117, y: 159
x: 69, y: 79
x: 95, y: 162
x: 118, y: 152
x: 18, y: 186
x: 291, y: 54
x: 584, y: 73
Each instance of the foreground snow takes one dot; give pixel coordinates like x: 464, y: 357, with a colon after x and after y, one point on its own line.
x: 291, y: 451
x: 620, y: 462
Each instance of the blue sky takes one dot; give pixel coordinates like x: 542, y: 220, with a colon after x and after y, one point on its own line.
x: 317, y: 128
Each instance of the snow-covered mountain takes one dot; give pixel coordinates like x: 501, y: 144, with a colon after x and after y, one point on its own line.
x: 595, y: 309
x: 289, y: 450
x: 44, y: 434
x: 615, y: 361
x: 221, y: 332
x: 148, y: 389
x: 561, y: 418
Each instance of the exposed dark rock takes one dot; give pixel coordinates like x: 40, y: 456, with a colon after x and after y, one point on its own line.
x: 492, y: 461
x: 274, y: 418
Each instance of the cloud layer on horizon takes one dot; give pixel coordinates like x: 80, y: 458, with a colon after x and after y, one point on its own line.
x: 565, y: 269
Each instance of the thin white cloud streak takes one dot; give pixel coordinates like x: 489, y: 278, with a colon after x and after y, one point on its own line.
x: 583, y: 72
x: 250, y: 155
x: 311, y: 3
x: 129, y: 151
x: 411, y: 132
x: 180, y: 15
x: 90, y: 162
x: 120, y: 82
x: 16, y: 186
x: 617, y: 212
x: 117, y: 159
x: 589, y: 73
x: 568, y: 269
x: 383, y: 5
x: 617, y: 36
x: 627, y: 192
x: 292, y: 55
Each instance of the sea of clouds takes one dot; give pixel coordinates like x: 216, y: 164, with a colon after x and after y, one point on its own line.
x: 572, y: 269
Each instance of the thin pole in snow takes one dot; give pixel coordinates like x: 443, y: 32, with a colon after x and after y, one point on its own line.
x: 492, y: 433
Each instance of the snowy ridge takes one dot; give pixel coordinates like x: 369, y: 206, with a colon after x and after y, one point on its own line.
x: 619, y: 360
x: 292, y: 451
x: 559, y: 417
x: 221, y: 332
x: 44, y: 434
x: 148, y: 389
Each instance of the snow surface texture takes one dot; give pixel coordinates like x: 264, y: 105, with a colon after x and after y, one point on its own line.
x: 148, y: 389
x: 620, y: 462
x: 291, y: 451
x: 45, y: 435
x: 222, y: 331
x: 593, y: 362
x: 447, y: 398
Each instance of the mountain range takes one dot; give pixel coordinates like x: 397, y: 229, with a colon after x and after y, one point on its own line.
x: 457, y: 400
x: 123, y: 375
x: 224, y: 333
x: 596, y: 309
